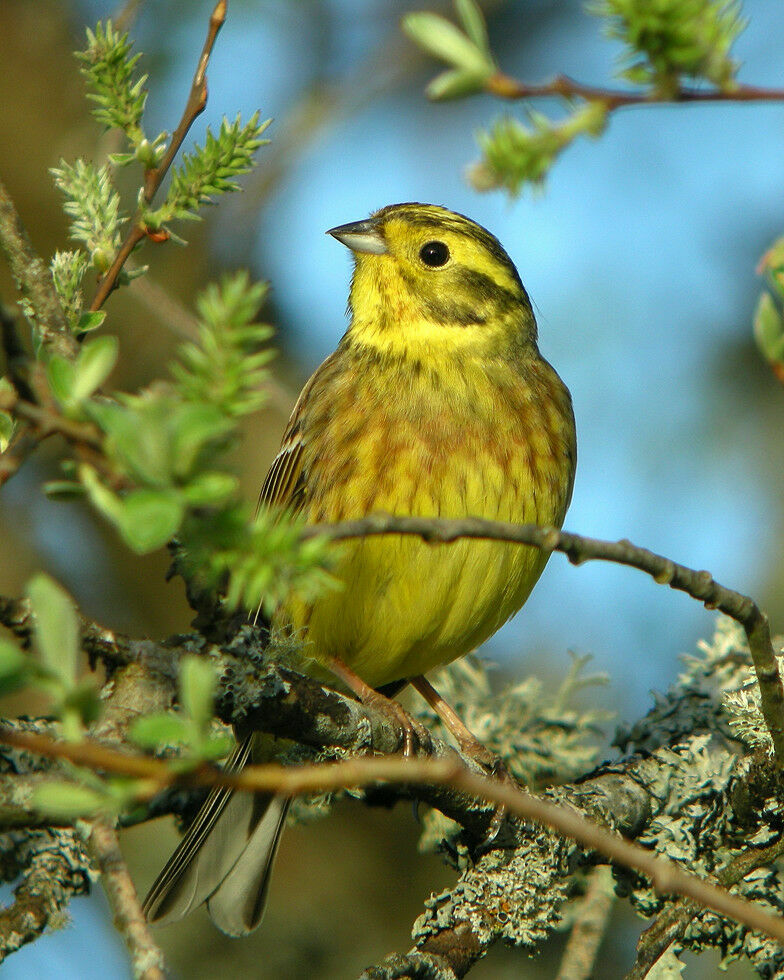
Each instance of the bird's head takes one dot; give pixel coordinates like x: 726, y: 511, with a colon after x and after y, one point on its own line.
x: 428, y: 278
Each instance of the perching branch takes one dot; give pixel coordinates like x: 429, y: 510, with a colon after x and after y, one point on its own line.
x: 666, y: 877
x: 699, y: 585
x: 197, y: 101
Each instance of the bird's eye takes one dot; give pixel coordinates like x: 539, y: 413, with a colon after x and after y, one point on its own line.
x: 434, y: 254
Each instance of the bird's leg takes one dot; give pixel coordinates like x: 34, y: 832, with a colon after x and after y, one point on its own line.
x: 468, y: 742
x: 415, y: 735
x: 469, y: 745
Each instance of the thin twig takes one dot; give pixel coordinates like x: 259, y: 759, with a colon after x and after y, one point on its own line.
x: 197, y: 100
x: 666, y: 877
x: 36, y: 423
x: 589, y: 927
x: 34, y: 280
x: 506, y: 87
x: 146, y: 957
x: 699, y: 585
x: 48, y: 423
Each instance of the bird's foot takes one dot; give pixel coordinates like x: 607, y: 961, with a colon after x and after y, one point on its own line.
x: 416, y: 738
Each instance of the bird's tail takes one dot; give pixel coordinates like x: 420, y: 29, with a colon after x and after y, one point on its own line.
x: 225, y: 858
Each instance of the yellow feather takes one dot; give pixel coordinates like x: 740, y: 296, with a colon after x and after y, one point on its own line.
x: 436, y: 403
x: 419, y: 414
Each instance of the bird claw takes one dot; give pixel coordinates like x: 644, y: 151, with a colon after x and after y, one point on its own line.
x: 416, y: 738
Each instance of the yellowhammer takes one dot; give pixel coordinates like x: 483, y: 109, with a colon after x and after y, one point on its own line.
x: 436, y: 403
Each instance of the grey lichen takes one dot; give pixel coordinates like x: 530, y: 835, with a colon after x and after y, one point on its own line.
x: 53, y: 866
x: 511, y: 894
x: 695, y: 793
x: 719, y: 804
x: 409, y: 966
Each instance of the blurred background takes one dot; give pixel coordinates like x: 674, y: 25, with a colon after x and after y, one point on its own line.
x: 640, y: 258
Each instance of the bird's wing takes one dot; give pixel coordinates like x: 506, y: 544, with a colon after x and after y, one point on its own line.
x: 285, y: 485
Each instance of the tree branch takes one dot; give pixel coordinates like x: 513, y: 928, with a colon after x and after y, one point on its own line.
x: 146, y: 957
x: 699, y: 585
x: 589, y: 927
x: 505, y: 87
x: 54, y: 868
x: 197, y: 100
x: 666, y: 877
x: 669, y: 926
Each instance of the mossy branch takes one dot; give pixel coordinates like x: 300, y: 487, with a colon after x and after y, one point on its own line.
x: 667, y: 878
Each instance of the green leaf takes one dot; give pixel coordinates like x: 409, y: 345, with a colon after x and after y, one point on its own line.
x: 473, y: 21
x: 14, y: 667
x: 210, y: 489
x: 67, y: 801
x: 108, y: 503
x: 139, y: 436
x: 195, y: 427
x: 216, y: 746
x: 159, y: 730
x: 197, y: 689
x: 74, y: 381
x: 7, y: 426
x: 455, y: 84
x: 57, y: 630
x: 84, y: 702
x: 90, y: 320
x: 769, y: 329
x: 150, y: 518
x: 772, y: 263
x: 61, y: 375
x: 94, y: 365
x: 444, y: 40
x: 63, y: 490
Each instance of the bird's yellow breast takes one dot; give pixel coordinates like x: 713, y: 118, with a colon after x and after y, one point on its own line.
x: 449, y: 439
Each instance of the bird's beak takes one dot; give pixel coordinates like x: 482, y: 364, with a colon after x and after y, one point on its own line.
x: 360, y: 236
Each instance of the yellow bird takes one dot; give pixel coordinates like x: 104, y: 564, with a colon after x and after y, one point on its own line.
x: 436, y: 403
